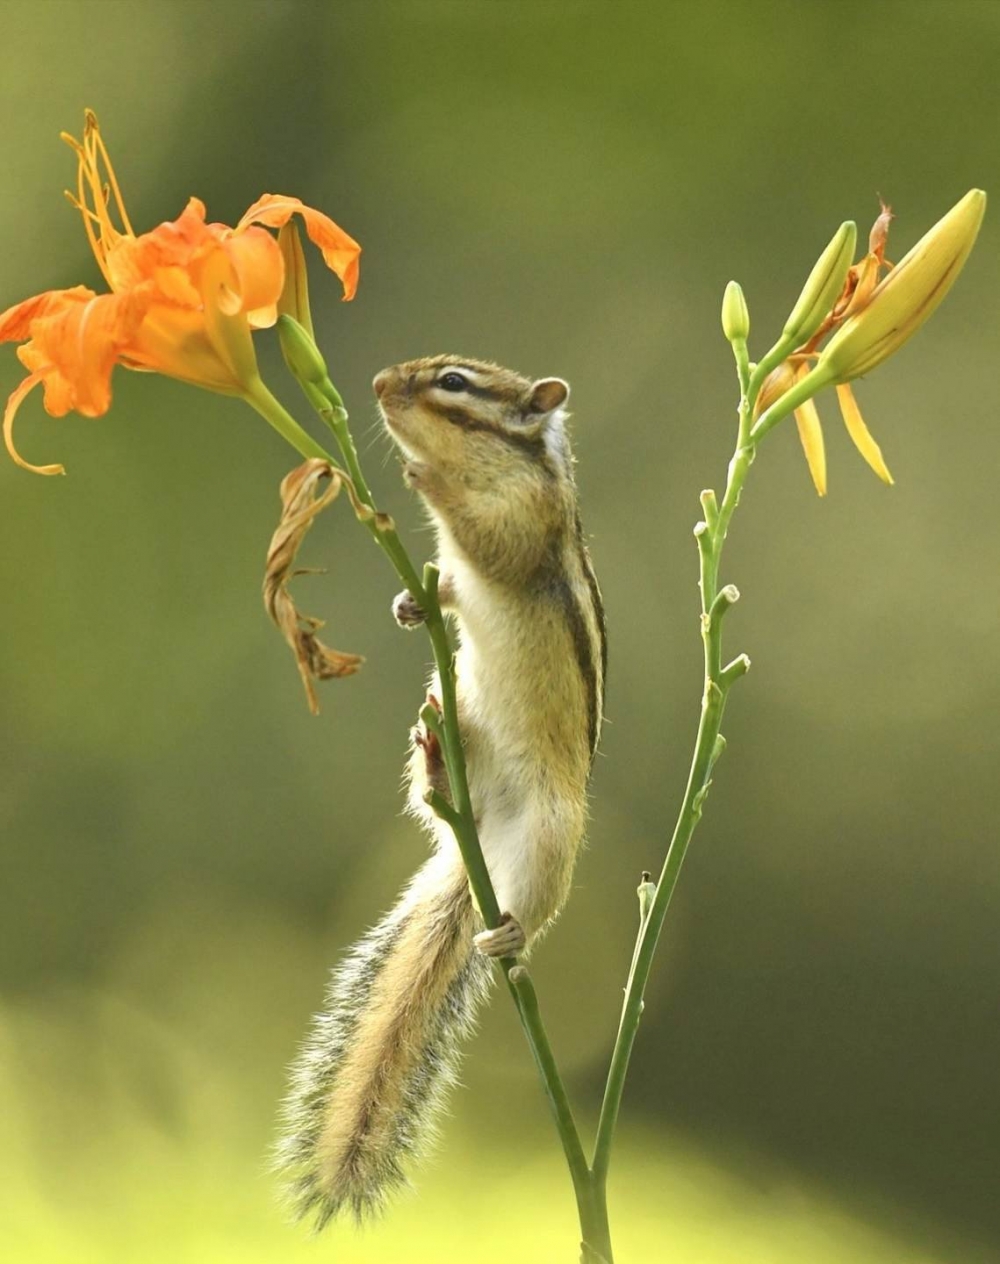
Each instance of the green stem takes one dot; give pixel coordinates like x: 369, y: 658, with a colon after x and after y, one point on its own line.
x: 464, y: 824
x: 260, y: 398
x: 523, y: 991
x: 711, y: 536
x: 458, y: 814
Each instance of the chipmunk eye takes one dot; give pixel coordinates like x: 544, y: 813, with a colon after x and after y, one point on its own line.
x: 453, y: 382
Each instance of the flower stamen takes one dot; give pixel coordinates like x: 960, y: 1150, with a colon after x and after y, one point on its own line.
x: 93, y: 132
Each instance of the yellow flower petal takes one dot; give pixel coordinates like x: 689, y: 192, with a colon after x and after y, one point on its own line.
x: 811, y: 434
x: 860, y: 433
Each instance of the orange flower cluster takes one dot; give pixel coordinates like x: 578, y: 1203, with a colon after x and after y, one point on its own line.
x: 183, y: 301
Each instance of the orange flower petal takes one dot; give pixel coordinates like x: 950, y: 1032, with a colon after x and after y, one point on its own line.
x: 13, y: 404
x: 132, y: 260
x: 340, y: 251
x: 15, y: 322
x: 227, y: 331
x: 860, y: 433
x: 260, y: 271
x: 174, y: 285
x: 172, y: 340
x: 82, y: 342
x: 811, y: 435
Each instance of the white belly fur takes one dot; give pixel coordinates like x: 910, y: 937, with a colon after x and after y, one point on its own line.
x: 522, y: 709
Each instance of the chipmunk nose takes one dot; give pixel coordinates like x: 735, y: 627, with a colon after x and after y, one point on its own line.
x: 381, y: 381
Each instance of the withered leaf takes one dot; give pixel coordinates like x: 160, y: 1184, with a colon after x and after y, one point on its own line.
x: 301, y: 502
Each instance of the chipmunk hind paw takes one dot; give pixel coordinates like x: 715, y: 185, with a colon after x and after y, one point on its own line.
x: 506, y: 940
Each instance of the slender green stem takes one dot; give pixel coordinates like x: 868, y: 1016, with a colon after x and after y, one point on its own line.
x: 260, y: 398
x: 710, y: 536
x: 771, y: 360
x: 523, y: 990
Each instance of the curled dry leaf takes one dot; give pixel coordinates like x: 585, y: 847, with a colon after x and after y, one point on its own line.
x: 301, y: 501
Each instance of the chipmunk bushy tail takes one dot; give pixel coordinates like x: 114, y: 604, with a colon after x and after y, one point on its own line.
x: 381, y: 1056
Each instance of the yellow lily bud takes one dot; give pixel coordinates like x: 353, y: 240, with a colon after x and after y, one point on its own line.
x: 294, y: 298
x: 904, y: 299
x: 823, y: 287
x: 735, y: 315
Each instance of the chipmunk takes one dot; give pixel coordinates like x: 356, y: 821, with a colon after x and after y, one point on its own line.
x: 487, y: 451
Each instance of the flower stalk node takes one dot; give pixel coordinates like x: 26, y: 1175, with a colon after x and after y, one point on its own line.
x: 734, y: 670
x: 727, y: 597
x: 430, y: 717
x: 646, y: 891
x: 710, y: 508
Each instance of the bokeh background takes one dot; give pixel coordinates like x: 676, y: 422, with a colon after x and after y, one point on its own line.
x: 564, y: 187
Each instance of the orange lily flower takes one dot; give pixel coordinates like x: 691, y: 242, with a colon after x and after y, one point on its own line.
x: 183, y: 301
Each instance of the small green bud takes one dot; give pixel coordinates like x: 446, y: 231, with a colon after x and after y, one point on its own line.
x: 823, y: 287
x: 301, y: 353
x: 735, y: 315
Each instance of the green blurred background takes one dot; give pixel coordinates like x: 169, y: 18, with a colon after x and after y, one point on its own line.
x: 565, y: 188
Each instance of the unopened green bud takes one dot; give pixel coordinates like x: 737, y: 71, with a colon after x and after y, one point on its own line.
x: 301, y: 353
x: 294, y: 297
x: 735, y: 315
x: 823, y: 287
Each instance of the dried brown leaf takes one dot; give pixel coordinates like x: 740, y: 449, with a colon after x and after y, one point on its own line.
x: 301, y: 502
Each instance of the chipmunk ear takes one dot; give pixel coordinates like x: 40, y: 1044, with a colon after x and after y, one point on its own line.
x: 547, y: 394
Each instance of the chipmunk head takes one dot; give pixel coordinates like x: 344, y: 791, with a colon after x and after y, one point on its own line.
x: 466, y: 424
x: 488, y: 453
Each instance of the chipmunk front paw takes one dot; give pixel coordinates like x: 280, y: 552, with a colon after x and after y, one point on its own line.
x: 406, y: 612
